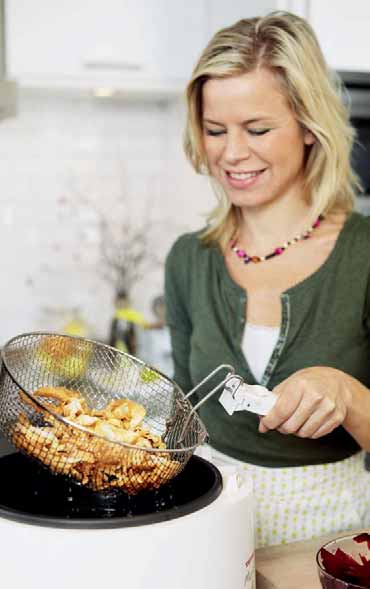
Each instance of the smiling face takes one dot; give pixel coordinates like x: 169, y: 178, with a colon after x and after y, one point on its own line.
x: 254, y: 145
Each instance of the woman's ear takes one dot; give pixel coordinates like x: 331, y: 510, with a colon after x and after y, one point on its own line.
x: 308, y: 137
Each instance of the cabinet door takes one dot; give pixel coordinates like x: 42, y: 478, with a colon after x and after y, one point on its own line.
x: 222, y: 14
x: 188, y: 25
x: 115, y: 39
x: 177, y: 29
x: 144, y: 38
x: 343, y: 31
x: 70, y: 38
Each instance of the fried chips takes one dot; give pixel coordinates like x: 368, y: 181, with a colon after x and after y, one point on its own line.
x: 89, y: 448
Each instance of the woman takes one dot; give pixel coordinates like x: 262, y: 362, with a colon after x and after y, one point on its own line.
x: 277, y: 284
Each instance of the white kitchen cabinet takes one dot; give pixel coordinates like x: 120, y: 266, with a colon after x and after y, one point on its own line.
x: 152, y: 45
x: 72, y: 43
x: 343, y: 31
x: 121, y: 43
x: 342, y: 28
x: 69, y: 38
x: 221, y: 13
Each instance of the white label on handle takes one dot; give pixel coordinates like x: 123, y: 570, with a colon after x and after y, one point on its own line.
x: 238, y: 396
x: 228, y: 402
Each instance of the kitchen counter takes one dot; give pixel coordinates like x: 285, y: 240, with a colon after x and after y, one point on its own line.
x: 292, y: 565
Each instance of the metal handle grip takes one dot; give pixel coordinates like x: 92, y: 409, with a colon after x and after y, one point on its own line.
x: 230, y: 371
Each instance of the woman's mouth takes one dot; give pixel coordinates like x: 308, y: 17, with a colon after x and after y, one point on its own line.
x: 243, y: 179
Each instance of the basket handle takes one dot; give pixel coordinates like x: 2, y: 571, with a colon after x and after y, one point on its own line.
x: 230, y: 369
x: 230, y: 372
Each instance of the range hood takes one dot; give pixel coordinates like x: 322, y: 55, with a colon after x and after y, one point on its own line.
x: 8, y: 88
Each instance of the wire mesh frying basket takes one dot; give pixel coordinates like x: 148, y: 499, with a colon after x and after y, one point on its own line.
x: 100, y: 375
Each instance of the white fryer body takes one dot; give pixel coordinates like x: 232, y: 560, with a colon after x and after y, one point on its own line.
x: 208, y: 548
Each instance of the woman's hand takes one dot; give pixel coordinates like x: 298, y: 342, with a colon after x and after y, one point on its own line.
x: 311, y: 403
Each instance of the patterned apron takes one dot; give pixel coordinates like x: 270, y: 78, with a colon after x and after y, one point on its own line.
x: 304, y: 502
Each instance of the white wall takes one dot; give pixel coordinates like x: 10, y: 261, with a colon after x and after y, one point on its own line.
x: 61, y: 147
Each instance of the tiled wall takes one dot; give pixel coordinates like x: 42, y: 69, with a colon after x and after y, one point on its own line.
x: 63, y: 150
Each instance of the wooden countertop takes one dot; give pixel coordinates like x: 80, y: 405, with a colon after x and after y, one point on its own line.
x: 292, y: 565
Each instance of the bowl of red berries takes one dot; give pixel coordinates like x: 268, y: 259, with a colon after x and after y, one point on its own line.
x: 344, y: 563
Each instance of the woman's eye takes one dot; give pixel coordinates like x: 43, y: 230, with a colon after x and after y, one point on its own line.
x: 213, y: 133
x: 258, y: 131
x: 216, y: 133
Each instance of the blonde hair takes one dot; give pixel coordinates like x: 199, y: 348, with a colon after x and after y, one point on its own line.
x: 285, y: 44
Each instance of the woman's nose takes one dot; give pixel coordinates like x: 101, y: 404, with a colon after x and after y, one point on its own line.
x: 237, y: 147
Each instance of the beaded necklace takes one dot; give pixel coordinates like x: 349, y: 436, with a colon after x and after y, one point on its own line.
x: 242, y: 254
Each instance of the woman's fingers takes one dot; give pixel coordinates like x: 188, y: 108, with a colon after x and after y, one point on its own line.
x: 310, y: 413
x: 284, y: 407
x: 296, y: 403
x: 308, y: 407
x: 330, y: 415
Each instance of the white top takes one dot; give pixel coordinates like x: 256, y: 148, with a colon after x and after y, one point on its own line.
x: 258, y: 344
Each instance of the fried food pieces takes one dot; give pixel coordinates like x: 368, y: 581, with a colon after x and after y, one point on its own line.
x: 95, y: 461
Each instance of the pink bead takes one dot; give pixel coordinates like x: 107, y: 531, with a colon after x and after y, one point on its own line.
x: 278, y: 251
x: 316, y: 224
x: 241, y: 253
